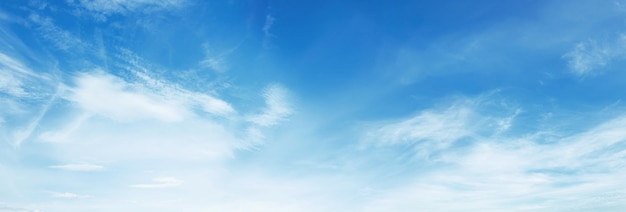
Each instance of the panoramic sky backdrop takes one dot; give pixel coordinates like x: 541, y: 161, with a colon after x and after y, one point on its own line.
x: 312, y: 105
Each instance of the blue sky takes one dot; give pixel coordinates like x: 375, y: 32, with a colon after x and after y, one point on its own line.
x: 183, y: 105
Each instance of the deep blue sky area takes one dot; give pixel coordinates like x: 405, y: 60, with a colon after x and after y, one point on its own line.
x: 227, y: 105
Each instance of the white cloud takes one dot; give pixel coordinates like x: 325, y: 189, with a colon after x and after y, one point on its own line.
x: 103, y: 139
x: 14, y: 74
x: 20, y: 135
x: 65, y: 195
x: 10, y: 85
x: 107, y: 95
x: 21, y: 83
x: 188, y: 98
x: 514, y: 172
x: 217, y: 61
x: 516, y: 176
x: 267, y: 34
x: 505, y: 123
x: 14, y: 65
x: 9, y: 208
x: 589, y: 57
x: 434, y: 130
x: 277, y: 108
x: 214, y: 62
x: 144, y: 119
x: 110, y: 96
x: 78, y: 167
x: 59, y: 37
x: 269, y: 21
x: 211, y: 104
x: 107, y: 7
x: 160, y: 182
x: 435, y: 126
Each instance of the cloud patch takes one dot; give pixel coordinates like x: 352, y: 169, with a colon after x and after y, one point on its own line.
x: 277, y: 107
x: 588, y: 58
x: 438, y: 129
x: 60, y: 38
x: 160, y: 182
x: 107, y: 7
x: 11, y: 208
x: 65, y: 195
x: 14, y: 75
x: 101, y: 93
x: 540, y: 170
x: 110, y: 96
x: 78, y: 167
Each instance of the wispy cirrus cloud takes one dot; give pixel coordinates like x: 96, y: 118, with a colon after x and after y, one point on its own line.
x: 436, y: 126
x: 66, y: 195
x: 14, y: 65
x: 277, y: 106
x: 214, y: 61
x: 267, y: 26
x: 14, y: 74
x: 60, y: 38
x: 437, y: 129
x: 125, y: 6
x: 9, y: 208
x: 16, y: 81
x: 491, y: 171
x: 205, y: 101
x: 277, y: 109
x: 11, y: 85
x: 78, y: 167
x: 588, y: 58
x: 160, y: 182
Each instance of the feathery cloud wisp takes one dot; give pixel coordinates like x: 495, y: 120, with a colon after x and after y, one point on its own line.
x: 495, y: 171
x: 65, y: 195
x: 124, y: 6
x: 277, y: 107
x: 588, y: 57
x: 59, y: 37
x: 78, y: 167
x: 160, y: 182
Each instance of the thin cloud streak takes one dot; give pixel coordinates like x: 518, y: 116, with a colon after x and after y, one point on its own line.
x: 65, y: 195
x: 10, y: 208
x: 59, y: 37
x: 15, y: 76
x: 78, y: 167
x: 125, y: 6
x: 206, y: 102
x: 23, y: 134
x: 160, y: 182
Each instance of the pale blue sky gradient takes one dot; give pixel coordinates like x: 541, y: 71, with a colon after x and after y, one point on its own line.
x: 271, y: 105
